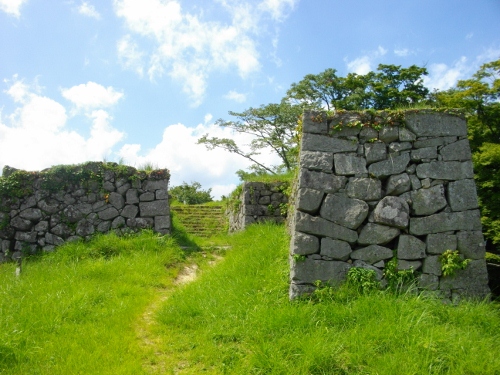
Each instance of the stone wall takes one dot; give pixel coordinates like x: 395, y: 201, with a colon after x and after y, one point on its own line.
x: 257, y: 202
x: 40, y: 210
x: 367, y: 195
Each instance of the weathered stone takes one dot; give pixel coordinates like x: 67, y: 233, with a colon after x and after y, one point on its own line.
x: 297, y: 290
x: 428, y: 201
x: 348, y: 165
x: 471, y: 244
x: 375, y: 152
x: 372, y: 254
x: 393, y: 165
x: 130, y: 211
x: 42, y: 226
x: 367, y: 134
x: 49, y: 206
x: 21, y: 224
x: 109, y: 213
x: 309, y: 271
x: 132, y: 196
x: 362, y: 264
x: 52, y: 239
x: 444, y: 222
x: 147, y: 197
x: 162, y: 224
x: 140, y: 223
x: 304, y: 244
x: 26, y: 236
x: 367, y: 189
x: 72, y: 214
x: 321, y: 227
x: 327, y: 182
x: 315, y: 142
x: 462, y: 195
x: 399, y: 146
x: 433, y: 124
x: 406, y: 136
x: 265, y: 200
x: 415, y: 182
x: 375, y: 234
x: 428, y: 281
x: 118, y: 222
x: 317, y: 161
x: 84, y: 228
x: 104, y: 226
x: 410, y: 248
x: 445, y: 170
x: 424, y: 153
x: 84, y: 208
x: 392, y: 211
x: 388, y: 134
x: 432, y: 265
x: 471, y: 281
x: 309, y: 200
x: 108, y: 186
x: 161, y: 194
x: 409, y: 264
x: 151, y: 209
x: 61, y: 230
x: 116, y: 200
x: 438, y: 243
x: 153, y: 185
x: 345, y: 211
x: 314, y: 122
x: 433, y: 142
x: 398, y: 184
x: 335, y: 249
x: 32, y: 214
x: 459, y: 150
x: 28, y: 202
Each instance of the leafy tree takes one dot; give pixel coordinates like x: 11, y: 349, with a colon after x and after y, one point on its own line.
x: 273, y: 127
x: 190, y: 193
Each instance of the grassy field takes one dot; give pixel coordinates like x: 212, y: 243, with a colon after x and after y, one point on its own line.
x: 111, y: 307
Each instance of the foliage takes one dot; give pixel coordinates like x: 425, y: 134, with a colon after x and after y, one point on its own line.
x: 451, y: 261
x: 397, y: 279
x: 492, y: 258
x: 190, y: 193
x: 271, y: 126
x: 362, y: 279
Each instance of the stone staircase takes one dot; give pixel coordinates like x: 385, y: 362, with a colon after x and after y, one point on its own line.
x: 201, y: 220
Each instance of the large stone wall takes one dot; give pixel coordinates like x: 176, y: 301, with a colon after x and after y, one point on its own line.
x: 367, y: 195
x: 41, y: 210
x: 257, y: 202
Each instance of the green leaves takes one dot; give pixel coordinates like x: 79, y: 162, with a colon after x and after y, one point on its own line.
x: 451, y: 262
x: 190, y: 193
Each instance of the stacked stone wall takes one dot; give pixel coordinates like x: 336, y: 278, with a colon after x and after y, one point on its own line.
x: 258, y: 202
x: 41, y: 210
x: 365, y: 196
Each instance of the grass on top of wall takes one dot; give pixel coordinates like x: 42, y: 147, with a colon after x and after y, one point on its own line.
x: 237, y: 319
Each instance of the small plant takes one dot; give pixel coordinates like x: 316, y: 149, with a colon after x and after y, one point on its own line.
x: 396, y: 278
x: 451, y: 262
x: 362, y: 279
x: 299, y: 257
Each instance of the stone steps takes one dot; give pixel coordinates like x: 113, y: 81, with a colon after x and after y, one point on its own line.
x: 200, y: 220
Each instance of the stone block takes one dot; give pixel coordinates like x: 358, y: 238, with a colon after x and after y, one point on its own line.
x: 309, y: 200
x: 130, y: 211
x: 314, y: 122
x: 21, y: 224
x: 104, y: 226
x: 445, y: 170
x: 406, y: 136
x: 375, y: 234
x: 409, y: 265
x: 116, y: 200
x: 161, y: 194
x: 327, y: 182
x: 393, y: 165
x: 156, y: 208
x: 335, y: 249
x: 444, y: 222
x: 433, y: 124
x: 420, y: 154
x: 118, y: 222
x: 367, y: 189
x: 374, y: 152
x: 147, y: 197
x: 398, y: 184
x: 362, y: 264
x: 462, y: 195
x: 471, y: 244
x: 428, y: 281
x: 459, y: 150
x: 315, y: 142
x: 428, y: 201
x: 415, y: 182
x: 410, y: 248
x: 345, y: 211
x: 317, y: 161
x: 367, y: 134
x: 84, y: 228
x: 309, y: 271
x: 265, y: 200
x: 304, y: 244
x: 162, y: 224
x: 438, y: 243
x: 433, y: 142
x: 109, y: 213
x: 26, y: 237
x: 32, y: 214
x: 153, y: 185
x: 399, y: 146
x: 432, y: 265
x: 349, y: 165
x: 392, y: 211
x: 372, y: 254
x: 324, y: 228
x: 472, y: 281
x: 388, y: 134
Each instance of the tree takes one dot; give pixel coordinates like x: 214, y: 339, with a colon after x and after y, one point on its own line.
x: 190, y: 193
x: 273, y: 126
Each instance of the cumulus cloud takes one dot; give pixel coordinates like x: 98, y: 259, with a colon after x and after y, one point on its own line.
x: 35, y: 135
x: 236, y: 96
x: 88, y: 10
x: 12, y: 7
x: 363, y: 64
x: 91, y: 95
x: 403, y: 52
x: 188, y: 47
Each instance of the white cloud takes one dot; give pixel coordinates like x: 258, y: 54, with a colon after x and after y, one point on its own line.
x: 403, y: 52
x: 88, y: 10
x: 236, y: 96
x: 92, y: 95
x: 12, y: 7
x: 363, y: 64
x: 35, y: 135
x: 188, y: 47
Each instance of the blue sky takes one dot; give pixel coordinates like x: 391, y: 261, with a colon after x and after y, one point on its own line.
x: 142, y: 80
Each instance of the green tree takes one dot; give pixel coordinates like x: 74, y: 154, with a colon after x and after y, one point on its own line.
x: 273, y: 126
x: 190, y: 193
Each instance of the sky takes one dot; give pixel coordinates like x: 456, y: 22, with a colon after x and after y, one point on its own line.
x: 140, y: 81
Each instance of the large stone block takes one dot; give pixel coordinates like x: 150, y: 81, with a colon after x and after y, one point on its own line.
x: 459, y: 150
x: 375, y: 234
x: 424, y: 153
x: 317, y: 161
x: 462, y: 195
x: 304, y: 244
x: 471, y: 244
x: 345, y: 211
x: 392, y: 211
x: 374, y: 152
x: 162, y: 224
x: 433, y: 142
x: 349, y: 165
x: 428, y: 201
x: 471, y: 281
x: 389, y: 134
x: 156, y: 208
x: 32, y: 214
x: 367, y: 189
x: 316, y: 142
x: 324, y: 228
x: 327, y: 182
x: 393, y: 165
x: 440, y: 242
x: 445, y: 170
x: 432, y: 124
x: 108, y: 213
x: 309, y: 200
x: 130, y: 211
x: 444, y: 222
x: 153, y: 185
x: 309, y: 271
x: 116, y: 200
x: 84, y: 228
x: 398, y: 184
x: 432, y: 265
x: 372, y: 254
x: 314, y: 122
x: 335, y: 249
x: 410, y: 248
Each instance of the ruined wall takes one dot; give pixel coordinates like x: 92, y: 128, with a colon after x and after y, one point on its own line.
x: 257, y: 202
x: 40, y: 210
x: 366, y: 195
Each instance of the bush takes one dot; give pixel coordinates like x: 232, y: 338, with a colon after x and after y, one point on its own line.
x: 190, y: 193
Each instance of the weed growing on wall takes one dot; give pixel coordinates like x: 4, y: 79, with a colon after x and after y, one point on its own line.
x: 451, y: 261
